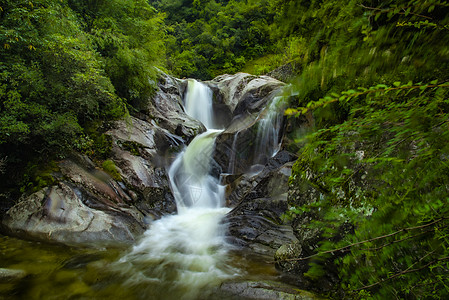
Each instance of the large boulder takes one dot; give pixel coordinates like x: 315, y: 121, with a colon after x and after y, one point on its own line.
x: 142, y: 152
x: 256, y: 222
x: 265, y: 290
x: 242, y: 90
x: 247, y: 97
x: 59, y: 213
x: 166, y: 109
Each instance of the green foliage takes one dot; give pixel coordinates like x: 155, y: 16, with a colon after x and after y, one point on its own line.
x: 51, y: 80
x: 209, y: 38
x: 129, y: 36
x: 375, y: 80
x: 66, y: 65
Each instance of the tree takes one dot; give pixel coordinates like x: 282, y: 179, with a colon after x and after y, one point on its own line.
x: 378, y: 157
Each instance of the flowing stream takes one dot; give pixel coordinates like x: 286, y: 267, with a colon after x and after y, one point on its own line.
x: 189, y: 249
x: 269, y: 128
x: 181, y: 256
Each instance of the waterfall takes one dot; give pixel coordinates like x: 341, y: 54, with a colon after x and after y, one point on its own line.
x: 269, y: 127
x: 232, y: 156
x: 191, y: 182
x: 187, y: 250
x: 198, y: 103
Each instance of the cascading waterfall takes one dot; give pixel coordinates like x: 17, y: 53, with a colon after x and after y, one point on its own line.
x: 187, y: 250
x: 192, y: 185
x: 232, y: 156
x: 198, y: 103
x: 182, y: 255
x: 269, y: 127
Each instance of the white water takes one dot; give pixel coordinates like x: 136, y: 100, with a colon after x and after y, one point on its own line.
x: 192, y: 185
x: 233, y: 154
x: 267, y: 141
x: 198, y: 103
x: 187, y: 250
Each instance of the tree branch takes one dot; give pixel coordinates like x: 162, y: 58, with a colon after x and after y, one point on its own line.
x: 397, y: 241
x: 389, y: 10
x: 408, y: 270
x: 347, y: 248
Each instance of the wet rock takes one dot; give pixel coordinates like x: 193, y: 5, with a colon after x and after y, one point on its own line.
x: 246, y: 96
x: 165, y: 108
x: 11, y: 275
x: 270, y: 180
x: 143, y: 167
x: 244, y: 90
x: 11, y: 281
x: 286, y: 256
x: 256, y: 222
x: 265, y: 290
x: 59, y: 214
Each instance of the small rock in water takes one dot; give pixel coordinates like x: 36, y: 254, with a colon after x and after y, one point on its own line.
x: 7, y: 275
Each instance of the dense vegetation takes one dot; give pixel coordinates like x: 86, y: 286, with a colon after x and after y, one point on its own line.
x: 207, y: 38
x: 375, y: 77
x: 373, y: 74
x: 66, y: 67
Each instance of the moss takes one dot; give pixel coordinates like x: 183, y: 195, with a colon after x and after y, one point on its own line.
x: 110, y: 168
x: 38, y: 176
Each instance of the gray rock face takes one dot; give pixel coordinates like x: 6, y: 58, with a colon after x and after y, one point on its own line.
x: 142, y: 153
x: 265, y: 290
x: 256, y: 221
x: 246, y: 96
x: 244, y: 88
x: 11, y: 275
x: 59, y: 214
x: 166, y: 109
x: 10, y: 279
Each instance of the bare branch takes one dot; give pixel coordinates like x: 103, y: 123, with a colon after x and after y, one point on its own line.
x: 348, y: 247
x: 401, y: 13
x: 408, y: 270
x: 397, y: 241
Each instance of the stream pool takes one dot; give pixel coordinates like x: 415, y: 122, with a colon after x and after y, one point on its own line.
x: 52, y: 271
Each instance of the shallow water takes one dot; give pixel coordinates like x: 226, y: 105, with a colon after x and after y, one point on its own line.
x: 61, y: 272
